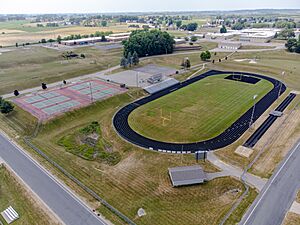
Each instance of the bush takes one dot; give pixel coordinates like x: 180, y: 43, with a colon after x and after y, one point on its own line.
x: 82, y: 143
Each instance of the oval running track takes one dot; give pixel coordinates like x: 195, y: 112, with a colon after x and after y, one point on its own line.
x: 230, y: 135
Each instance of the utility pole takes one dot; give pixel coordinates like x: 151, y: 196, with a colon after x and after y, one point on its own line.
x: 91, y: 91
x: 283, y: 73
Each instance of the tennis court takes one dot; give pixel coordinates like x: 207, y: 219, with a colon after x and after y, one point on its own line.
x: 48, y: 104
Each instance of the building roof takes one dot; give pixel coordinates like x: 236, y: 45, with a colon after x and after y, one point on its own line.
x: 120, y: 34
x: 83, y: 40
x: 187, y: 175
x: 238, y: 44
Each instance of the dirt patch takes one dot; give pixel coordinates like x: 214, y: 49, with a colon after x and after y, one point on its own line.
x: 243, y: 151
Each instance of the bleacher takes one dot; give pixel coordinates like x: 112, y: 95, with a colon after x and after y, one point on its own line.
x: 156, y: 87
x: 230, y: 135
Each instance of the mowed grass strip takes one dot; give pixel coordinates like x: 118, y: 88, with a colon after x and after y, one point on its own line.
x: 12, y: 193
x: 198, y: 112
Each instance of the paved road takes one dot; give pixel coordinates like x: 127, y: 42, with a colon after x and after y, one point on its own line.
x: 56, y: 196
x: 277, y: 196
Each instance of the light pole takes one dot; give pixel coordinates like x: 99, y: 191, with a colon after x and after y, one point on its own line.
x: 137, y: 79
x: 283, y: 73
x: 91, y: 90
x: 252, y: 115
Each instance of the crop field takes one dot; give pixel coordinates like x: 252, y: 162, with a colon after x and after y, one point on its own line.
x: 28, y: 67
x: 23, y: 31
x: 197, y: 112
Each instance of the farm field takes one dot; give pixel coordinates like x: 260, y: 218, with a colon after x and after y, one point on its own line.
x: 197, y: 112
x: 28, y: 67
x: 13, y: 194
x: 23, y: 31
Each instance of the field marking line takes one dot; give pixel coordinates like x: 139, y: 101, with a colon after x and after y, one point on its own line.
x: 271, y: 182
x: 50, y: 175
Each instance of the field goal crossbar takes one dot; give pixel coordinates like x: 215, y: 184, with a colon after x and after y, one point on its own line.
x: 164, y: 118
x: 236, y: 76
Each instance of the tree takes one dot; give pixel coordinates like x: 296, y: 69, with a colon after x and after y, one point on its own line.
x: 59, y: 39
x: 135, y: 58
x: 223, y: 30
x: 205, y: 55
x: 5, y: 106
x: 192, y: 26
x: 17, y: 45
x: 178, y: 23
x: 129, y: 59
x: 43, y: 40
x: 291, y: 44
x: 194, y: 38
x: 186, y: 63
x: 286, y: 34
x: 183, y: 27
x: 147, y: 43
x: 103, y: 23
x: 238, y: 26
x: 103, y: 38
x: 124, y: 62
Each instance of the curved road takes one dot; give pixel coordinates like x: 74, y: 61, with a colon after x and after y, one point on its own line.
x: 67, y: 207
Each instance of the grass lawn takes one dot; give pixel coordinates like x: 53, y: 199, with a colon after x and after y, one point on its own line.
x: 198, y: 112
x: 25, y: 68
x: 291, y: 219
x: 176, y: 59
x: 237, y: 215
x: 140, y: 179
x: 270, y: 63
x: 13, y: 194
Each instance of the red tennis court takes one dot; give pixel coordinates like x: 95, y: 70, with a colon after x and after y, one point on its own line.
x: 50, y: 103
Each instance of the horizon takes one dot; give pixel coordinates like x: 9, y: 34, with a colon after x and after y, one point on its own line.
x: 163, y: 11
x: 134, y: 6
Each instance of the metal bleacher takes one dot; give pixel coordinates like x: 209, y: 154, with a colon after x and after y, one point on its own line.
x: 257, y: 135
x: 230, y: 135
x: 156, y: 87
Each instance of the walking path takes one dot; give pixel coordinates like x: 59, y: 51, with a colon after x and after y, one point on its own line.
x: 229, y: 170
x: 295, y: 208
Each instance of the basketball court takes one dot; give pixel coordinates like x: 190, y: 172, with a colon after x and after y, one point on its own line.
x: 50, y: 103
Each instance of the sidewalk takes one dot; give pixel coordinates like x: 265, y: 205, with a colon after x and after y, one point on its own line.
x: 229, y: 170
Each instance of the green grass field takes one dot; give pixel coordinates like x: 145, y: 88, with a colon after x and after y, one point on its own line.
x: 198, y: 112
x: 29, y: 67
x: 13, y: 194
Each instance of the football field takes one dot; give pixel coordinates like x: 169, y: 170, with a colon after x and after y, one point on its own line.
x: 197, y: 112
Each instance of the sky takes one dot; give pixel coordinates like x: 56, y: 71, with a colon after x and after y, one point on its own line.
x: 101, y: 6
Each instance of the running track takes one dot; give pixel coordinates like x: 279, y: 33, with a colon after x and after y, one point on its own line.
x: 230, y: 135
